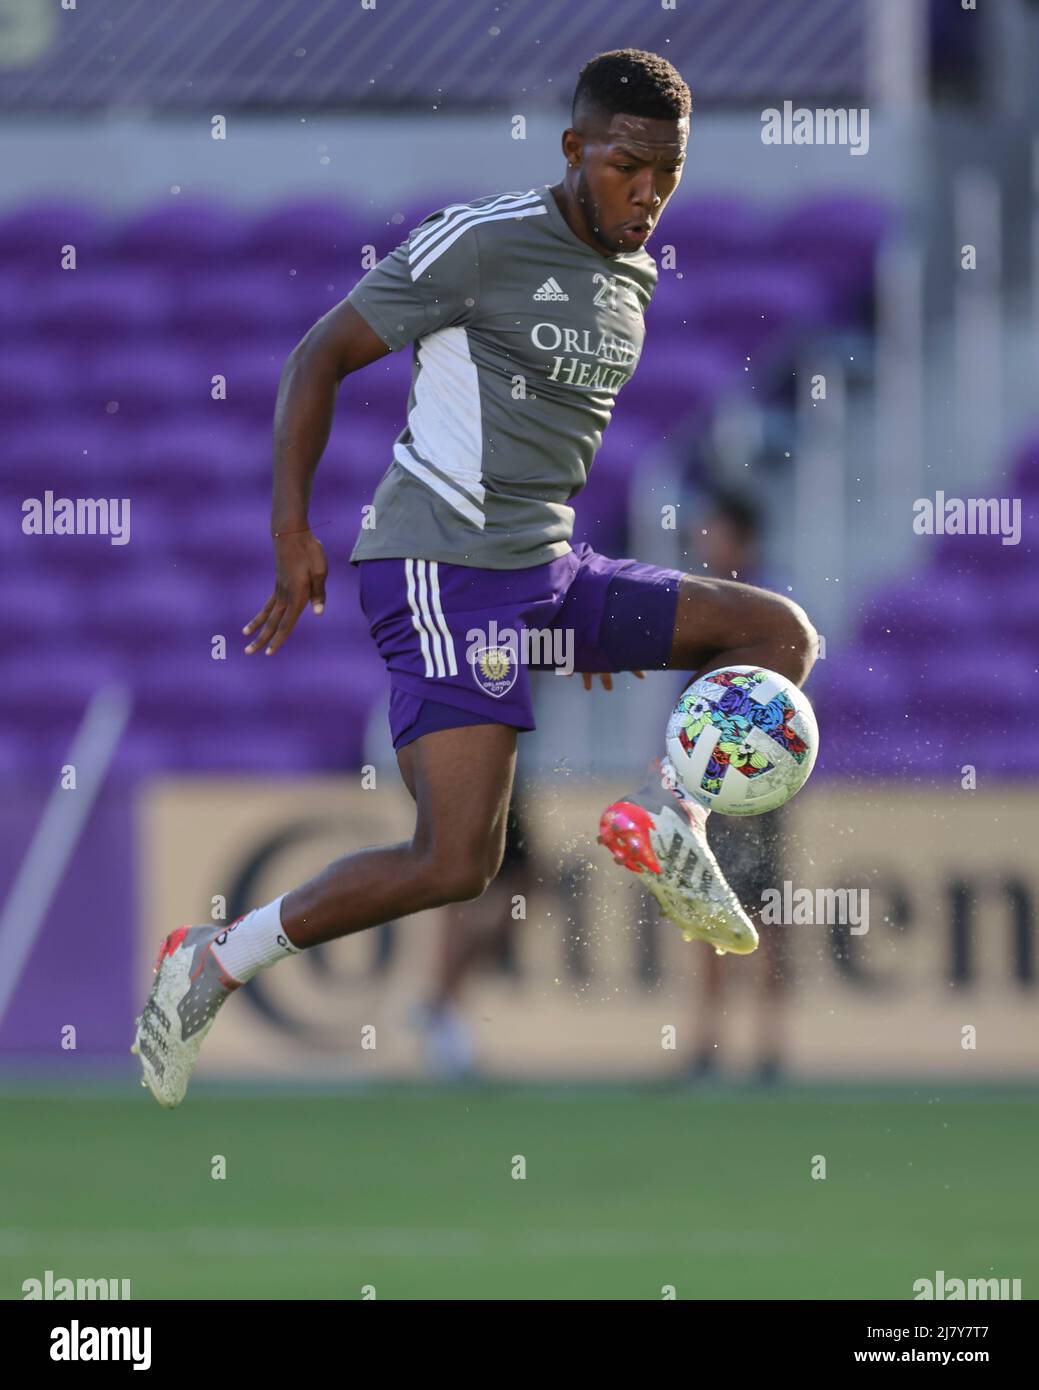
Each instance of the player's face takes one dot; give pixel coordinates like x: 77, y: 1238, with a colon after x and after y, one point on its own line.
x: 627, y: 171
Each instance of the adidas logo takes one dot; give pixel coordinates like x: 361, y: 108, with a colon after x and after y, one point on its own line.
x: 551, y: 289
x: 684, y: 874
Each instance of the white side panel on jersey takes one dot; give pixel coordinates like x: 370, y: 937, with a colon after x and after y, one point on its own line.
x: 445, y: 422
x: 451, y: 495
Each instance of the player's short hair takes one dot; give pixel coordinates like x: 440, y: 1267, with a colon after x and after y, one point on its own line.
x: 633, y: 82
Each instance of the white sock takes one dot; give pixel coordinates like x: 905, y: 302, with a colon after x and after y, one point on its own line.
x: 253, y: 942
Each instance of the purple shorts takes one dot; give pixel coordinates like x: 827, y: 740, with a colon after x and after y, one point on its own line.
x: 459, y: 642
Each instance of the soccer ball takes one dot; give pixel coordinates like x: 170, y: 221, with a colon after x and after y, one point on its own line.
x: 742, y: 740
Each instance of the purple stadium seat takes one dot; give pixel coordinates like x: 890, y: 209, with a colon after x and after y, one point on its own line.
x: 712, y: 230
x: 703, y: 371
x: 854, y: 222
x: 144, y: 381
x: 34, y: 698
x: 18, y: 299
x: 219, y: 541
x: 156, y: 529
x: 253, y: 303
x: 94, y: 305
x: 35, y: 602
x: 145, y: 752
x: 987, y: 555
x: 308, y: 233
x: 189, y: 458
x: 1017, y: 618
x: 31, y: 237
x: 33, y: 382
x: 160, y: 607
x: 987, y: 668
x: 262, y: 748
x: 1025, y: 474
x: 861, y: 687
x: 253, y: 374
x: 71, y: 455
x: 183, y: 687
x: 751, y: 303
x: 186, y: 232
x: 836, y: 238
x: 925, y: 610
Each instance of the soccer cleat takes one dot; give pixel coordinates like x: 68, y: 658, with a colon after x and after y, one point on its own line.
x: 189, y: 987
x: 661, y: 835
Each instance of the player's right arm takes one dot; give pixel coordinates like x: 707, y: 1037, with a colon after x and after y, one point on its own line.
x: 429, y: 282
x: 339, y: 343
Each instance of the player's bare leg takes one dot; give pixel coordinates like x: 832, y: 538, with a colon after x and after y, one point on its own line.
x: 461, y: 780
x: 719, y: 622
x: 660, y: 833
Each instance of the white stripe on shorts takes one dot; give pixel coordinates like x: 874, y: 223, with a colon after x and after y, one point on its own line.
x: 429, y: 622
x: 416, y: 619
x: 438, y: 612
x: 427, y: 618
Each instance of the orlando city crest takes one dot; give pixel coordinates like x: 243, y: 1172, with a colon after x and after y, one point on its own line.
x: 495, y: 670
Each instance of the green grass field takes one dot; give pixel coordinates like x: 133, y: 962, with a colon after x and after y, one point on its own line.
x: 626, y: 1190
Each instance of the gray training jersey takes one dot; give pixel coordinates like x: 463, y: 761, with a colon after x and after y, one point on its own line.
x: 523, y: 336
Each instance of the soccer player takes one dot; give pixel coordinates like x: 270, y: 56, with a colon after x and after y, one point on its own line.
x: 526, y: 314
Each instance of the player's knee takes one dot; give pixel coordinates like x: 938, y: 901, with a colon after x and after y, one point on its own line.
x: 471, y: 885
x: 800, y: 637
x: 454, y: 875
x: 461, y: 883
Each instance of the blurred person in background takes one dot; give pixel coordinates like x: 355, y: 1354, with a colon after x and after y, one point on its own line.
x: 725, y: 541
x: 480, y: 932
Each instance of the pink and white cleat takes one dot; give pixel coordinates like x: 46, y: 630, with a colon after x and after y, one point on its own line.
x: 661, y: 834
x: 189, y: 987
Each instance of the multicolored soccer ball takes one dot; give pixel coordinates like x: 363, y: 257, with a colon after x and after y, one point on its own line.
x: 742, y: 740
